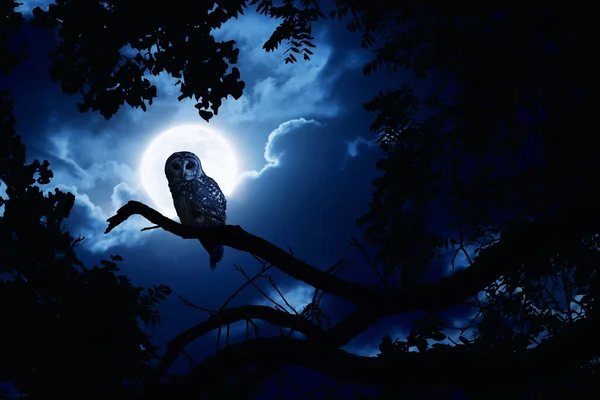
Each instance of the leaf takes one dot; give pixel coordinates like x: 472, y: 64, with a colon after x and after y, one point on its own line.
x: 111, y: 266
x: 206, y: 115
x: 422, y: 344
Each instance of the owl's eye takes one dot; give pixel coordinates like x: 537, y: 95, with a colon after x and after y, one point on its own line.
x: 189, y: 165
x: 176, y: 166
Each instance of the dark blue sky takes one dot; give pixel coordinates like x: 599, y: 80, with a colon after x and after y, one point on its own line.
x: 309, y: 201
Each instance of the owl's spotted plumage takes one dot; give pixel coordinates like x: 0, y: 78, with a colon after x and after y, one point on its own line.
x: 197, y: 198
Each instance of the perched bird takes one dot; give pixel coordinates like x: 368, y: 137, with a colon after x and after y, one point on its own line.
x: 197, y: 198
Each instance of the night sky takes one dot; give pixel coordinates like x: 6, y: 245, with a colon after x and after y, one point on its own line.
x: 304, y: 122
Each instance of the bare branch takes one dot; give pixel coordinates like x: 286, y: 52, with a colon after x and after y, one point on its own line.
x: 502, y: 258
x: 229, y: 316
x: 190, y: 359
x: 235, y: 237
x: 272, y: 282
x: 190, y: 304
x: 363, y: 251
x: 429, y: 368
x: 227, y: 337
x: 262, y: 292
x: 248, y: 282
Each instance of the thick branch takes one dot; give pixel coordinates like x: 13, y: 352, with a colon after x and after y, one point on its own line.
x: 228, y: 316
x: 504, y: 257
x: 237, y: 238
x: 433, y: 368
x: 511, y: 253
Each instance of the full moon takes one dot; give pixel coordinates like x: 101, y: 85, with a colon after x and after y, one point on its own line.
x: 217, y: 157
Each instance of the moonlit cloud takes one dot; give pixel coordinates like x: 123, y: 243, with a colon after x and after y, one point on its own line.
x: 93, y: 223
x: 2, y: 195
x: 371, y: 348
x: 353, y: 146
x: 27, y: 6
x: 274, y: 91
x: 100, y: 189
x: 300, y: 94
x: 353, y: 149
x: 298, y: 296
x: 272, y: 158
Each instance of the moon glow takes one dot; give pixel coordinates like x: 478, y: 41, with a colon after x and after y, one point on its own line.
x: 217, y: 157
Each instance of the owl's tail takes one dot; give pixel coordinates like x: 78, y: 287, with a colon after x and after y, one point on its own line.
x: 215, y: 251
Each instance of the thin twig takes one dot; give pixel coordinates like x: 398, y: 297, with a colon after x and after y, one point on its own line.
x: 219, y: 337
x: 245, y: 285
x: 355, y: 243
x: 337, y: 267
x: 227, y: 335
x: 260, y: 261
x: 277, y: 305
x: 189, y: 358
x: 272, y: 282
x: 190, y: 304
x: 466, y: 255
x: 149, y: 228
x: 255, y: 327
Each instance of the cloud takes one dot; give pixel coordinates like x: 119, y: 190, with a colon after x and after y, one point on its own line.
x: 371, y: 348
x: 274, y: 91
x: 27, y: 6
x: 3, y: 195
x: 272, y: 158
x: 353, y: 146
x: 299, y: 94
x: 100, y: 188
x: 91, y: 222
x: 297, y: 296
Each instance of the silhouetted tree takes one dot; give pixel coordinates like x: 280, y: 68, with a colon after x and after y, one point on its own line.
x: 479, y: 118
x: 107, y: 58
x: 490, y: 131
x: 67, y: 330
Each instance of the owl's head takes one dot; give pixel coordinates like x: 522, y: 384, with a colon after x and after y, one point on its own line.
x: 183, y: 166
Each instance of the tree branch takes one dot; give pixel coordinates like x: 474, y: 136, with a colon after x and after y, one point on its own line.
x: 235, y: 237
x: 228, y: 316
x: 518, y: 245
x: 432, y: 368
x: 509, y: 254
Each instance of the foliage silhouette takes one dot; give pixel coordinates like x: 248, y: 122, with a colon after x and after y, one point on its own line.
x: 491, y: 128
x: 67, y: 330
x: 55, y: 308
x: 109, y: 59
x: 497, y: 350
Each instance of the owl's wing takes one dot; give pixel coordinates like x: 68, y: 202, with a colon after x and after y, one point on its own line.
x: 210, y: 209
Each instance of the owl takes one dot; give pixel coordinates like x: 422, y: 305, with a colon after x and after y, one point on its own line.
x: 197, y: 198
